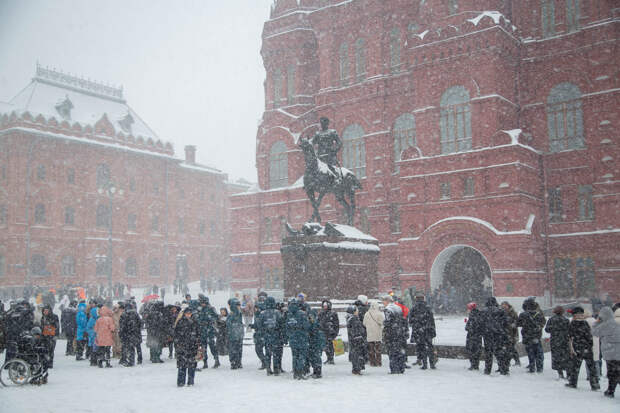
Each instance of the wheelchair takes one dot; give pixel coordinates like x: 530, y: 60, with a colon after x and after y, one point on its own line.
x: 28, y: 363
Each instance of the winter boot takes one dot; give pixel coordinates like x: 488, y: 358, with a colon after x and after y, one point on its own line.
x: 217, y: 363
x: 100, y: 364
x: 609, y: 394
x: 107, y: 364
x: 269, y: 371
x: 424, y: 364
x: 560, y: 374
x: 205, y: 365
x: 317, y: 373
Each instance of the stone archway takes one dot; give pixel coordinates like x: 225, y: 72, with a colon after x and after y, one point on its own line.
x: 463, y: 274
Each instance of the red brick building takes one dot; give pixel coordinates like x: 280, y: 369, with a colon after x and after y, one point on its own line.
x: 484, y: 133
x: 90, y: 195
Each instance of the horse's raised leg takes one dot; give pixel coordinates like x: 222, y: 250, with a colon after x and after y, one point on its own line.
x: 347, y: 209
x: 315, y: 209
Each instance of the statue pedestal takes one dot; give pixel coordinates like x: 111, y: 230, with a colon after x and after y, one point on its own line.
x: 335, y: 261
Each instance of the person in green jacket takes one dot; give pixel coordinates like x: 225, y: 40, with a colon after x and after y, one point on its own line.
x: 234, y: 325
x: 297, y: 329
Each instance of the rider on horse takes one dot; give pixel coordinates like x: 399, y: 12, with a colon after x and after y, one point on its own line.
x: 328, y: 144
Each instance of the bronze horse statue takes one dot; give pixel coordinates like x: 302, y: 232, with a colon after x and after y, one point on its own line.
x: 322, y: 179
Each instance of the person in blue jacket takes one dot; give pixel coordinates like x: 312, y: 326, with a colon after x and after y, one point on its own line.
x: 80, y: 336
x: 317, y: 344
x: 270, y: 323
x: 90, y: 329
x: 234, y: 325
x: 297, y: 329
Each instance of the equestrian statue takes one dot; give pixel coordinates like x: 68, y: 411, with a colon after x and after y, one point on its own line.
x: 324, y: 175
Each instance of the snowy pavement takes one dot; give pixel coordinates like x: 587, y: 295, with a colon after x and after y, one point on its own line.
x: 76, y: 387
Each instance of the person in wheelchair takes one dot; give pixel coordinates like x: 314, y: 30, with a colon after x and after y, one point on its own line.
x: 33, y: 349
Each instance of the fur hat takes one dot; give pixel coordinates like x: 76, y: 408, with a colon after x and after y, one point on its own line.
x: 577, y: 310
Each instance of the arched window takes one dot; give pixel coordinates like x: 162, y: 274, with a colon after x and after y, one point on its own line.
x: 354, y: 150
x: 404, y: 135
x: 278, y: 165
x: 395, y: 49
x: 455, y: 120
x: 344, y: 64
x: 360, y: 60
x: 572, y: 15
x: 565, y: 118
x: 131, y: 267
x: 290, y: 85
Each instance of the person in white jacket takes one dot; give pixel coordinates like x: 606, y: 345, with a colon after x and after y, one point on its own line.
x: 373, y: 321
x: 608, y: 330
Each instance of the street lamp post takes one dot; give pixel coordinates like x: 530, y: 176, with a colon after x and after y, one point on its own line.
x: 109, y: 190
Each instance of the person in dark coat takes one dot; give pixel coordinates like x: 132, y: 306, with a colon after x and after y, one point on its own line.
x: 258, y: 337
x: 557, y: 327
x: 475, y: 329
x: 271, y: 323
x: 278, y: 351
x: 497, y: 342
x: 317, y: 343
x: 362, y: 306
x: 580, y: 345
x: 171, y: 313
x: 69, y: 326
x: 330, y: 326
x: 297, y: 329
x: 423, y: 331
x: 234, y: 326
x: 187, y: 344
x: 155, y: 330
x: 394, y: 334
x: 130, y: 334
x: 513, y: 332
x: 207, y: 318
x: 2, y: 327
x: 532, y: 321
x: 18, y: 320
x: 357, y: 340
x: 50, y: 327
x: 221, y: 341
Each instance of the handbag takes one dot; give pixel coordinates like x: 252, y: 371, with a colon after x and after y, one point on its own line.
x: 338, y: 346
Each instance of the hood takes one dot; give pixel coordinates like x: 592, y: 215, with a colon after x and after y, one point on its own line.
x: 491, y: 302
x: 529, y: 304
x: 270, y: 303
x: 329, y: 304
x: 203, y: 299
x: 94, y: 313
x: 293, y: 307
x: 374, y: 306
x: 606, y: 314
x: 393, y: 308
x: 82, y: 307
x: 105, y: 312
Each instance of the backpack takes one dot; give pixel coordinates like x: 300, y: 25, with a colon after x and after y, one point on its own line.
x: 270, y: 320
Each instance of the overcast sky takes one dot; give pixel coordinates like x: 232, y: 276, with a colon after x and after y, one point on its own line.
x: 190, y: 68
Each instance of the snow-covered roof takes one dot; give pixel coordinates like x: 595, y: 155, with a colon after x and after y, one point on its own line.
x: 89, y: 102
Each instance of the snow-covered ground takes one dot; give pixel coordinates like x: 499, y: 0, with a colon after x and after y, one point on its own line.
x: 76, y: 387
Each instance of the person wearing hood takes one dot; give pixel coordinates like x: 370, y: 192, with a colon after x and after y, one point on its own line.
x: 513, y: 331
x: 81, y: 335
x: 104, y: 336
x: 171, y: 313
x: 207, y: 318
x: 394, y: 334
x: 50, y: 328
x: 580, y: 345
x: 69, y: 326
x: 130, y: 334
x: 316, y: 344
x: 92, y: 335
x: 423, y: 331
x: 187, y: 343
x: 497, y: 341
x: 234, y: 325
x: 271, y: 323
x: 221, y: 341
x: 475, y: 329
x: 608, y: 330
x: 357, y: 340
x: 373, y: 321
x: 258, y: 337
x: 532, y: 321
x: 330, y: 326
x: 156, y: 331
x: 557, y: 327
x: 297, y: 331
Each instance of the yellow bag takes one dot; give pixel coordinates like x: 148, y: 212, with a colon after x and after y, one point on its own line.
x: 338, y: 346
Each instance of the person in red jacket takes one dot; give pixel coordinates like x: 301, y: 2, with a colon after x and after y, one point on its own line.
x: 105, y: 329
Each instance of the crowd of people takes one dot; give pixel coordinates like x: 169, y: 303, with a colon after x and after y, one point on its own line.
x: 97, y: 331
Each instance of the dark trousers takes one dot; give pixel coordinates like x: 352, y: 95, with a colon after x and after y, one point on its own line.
x: 535, y: 356
x: 155, y: 352
x: 314, y: 357
x: 374, y: 353
x: 128, y: 353
x: 300, y: 355
x: 613, y: 375
x: 278, y: 351
x: 358, y: 358
x: 186, y: 372
x: 329, y: 350
x: 103, y: 354
x: 259, y: 348
x: 79, y: 350
x: 51, y: 347
x: 500, y: 353
x: 212, y: 347
x: 93, y: 354
x: 235, y: 350
x: 397, y: 359
x: 171, y: 349
x: 425, y: 350
x: 269, y: 356
x: 474, y: 348
x: 575, y: 366
x: 69, y: 350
